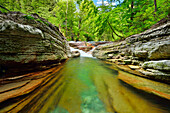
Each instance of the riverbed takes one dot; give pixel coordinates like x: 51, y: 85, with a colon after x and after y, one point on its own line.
x: 87, y: 85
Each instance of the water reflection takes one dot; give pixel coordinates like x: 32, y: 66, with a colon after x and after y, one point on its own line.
x: 87, y: 85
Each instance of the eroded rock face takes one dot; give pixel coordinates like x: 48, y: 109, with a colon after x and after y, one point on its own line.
x: 163, y: 65
x: 28, y: 44
x: 152, y: 44
x: 140, y: 50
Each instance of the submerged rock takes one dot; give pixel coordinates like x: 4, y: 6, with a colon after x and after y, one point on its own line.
x: 29, y: 43
x: 146, y: 85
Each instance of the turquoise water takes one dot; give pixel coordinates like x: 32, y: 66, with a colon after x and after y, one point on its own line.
x: 88, y: 85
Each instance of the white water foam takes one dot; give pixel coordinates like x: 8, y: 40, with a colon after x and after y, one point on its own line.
x: 82, y: 53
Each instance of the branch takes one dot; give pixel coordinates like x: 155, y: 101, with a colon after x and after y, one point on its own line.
x: 113, y: 30
x: 4, y: 8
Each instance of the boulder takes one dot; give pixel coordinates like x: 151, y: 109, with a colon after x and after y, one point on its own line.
x: 75, y: 54
x: 163, y: 65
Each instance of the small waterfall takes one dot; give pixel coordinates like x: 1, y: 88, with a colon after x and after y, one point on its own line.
x: 90, y: 52
x: 82, y: 53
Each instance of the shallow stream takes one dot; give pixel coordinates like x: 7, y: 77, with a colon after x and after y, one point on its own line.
x: 88, y: 85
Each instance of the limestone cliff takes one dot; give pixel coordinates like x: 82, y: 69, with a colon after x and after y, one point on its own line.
x: 29, y: 42
x: 149, y: 50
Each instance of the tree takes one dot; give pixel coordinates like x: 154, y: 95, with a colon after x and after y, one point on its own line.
x: 66, y: 17
x: 155, y: 5
x: 132, y: 4
x: 82, y: 20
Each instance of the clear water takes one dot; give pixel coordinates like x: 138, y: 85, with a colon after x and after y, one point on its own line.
x: 87, y: 85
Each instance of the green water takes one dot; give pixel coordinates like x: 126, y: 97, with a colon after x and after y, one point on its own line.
x: 88, y: 85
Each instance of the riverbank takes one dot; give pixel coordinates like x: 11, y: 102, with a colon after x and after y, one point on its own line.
x: 88, y: 85
x: 34, y: 69
x: 148, y: 53
x: 29, y: 43
x: 12, y: 87
x: 140, y: 81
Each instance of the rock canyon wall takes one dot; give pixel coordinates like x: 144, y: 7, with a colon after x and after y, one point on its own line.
x: 29, y: 42
x: 147, y: 53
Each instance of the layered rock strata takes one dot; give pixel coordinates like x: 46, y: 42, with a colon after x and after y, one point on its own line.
x: 148, y: 51
x: 29, y: 42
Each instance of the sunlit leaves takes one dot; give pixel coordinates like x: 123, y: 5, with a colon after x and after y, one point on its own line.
x: 85, y: 21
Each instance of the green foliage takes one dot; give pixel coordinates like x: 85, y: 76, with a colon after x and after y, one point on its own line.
x: 39, y: 20
x: 28, y: 17
x: 83, y: 20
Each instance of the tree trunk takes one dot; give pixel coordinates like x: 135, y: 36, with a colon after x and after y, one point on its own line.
x: 4, y: 8
x: 113, y: 30
x: 155, y: 5
x: 102, y: 2
x: 66, y: 18
x: 79, y: 26
x: 71, y: 27
x: 132, y: 4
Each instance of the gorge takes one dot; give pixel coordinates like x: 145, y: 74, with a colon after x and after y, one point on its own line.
x: 41, y: 73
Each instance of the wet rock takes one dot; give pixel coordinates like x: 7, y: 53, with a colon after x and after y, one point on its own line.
x: 75, y: 54
x: 154, y: 87
x: 163, y: 65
